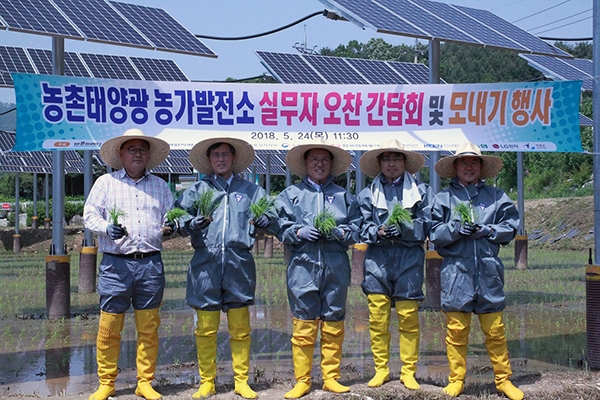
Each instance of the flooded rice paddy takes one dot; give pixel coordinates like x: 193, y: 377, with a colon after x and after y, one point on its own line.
x: 545, y: 321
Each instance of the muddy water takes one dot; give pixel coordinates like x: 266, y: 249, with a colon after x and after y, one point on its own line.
x: 58, y: 358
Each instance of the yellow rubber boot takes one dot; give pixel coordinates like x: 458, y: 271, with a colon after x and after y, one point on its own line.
x: 303, y: 347
x: 108, y: 346
x: 495, y: 343
x: 332, y: 338
x: 206, y: 348
x: 238, y: 320
x: 147, y: 323
x: 410, y: 335
x: 379, y: 324
x: 457, y: 338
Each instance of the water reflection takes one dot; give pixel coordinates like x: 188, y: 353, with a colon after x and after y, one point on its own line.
x: 58, y: 357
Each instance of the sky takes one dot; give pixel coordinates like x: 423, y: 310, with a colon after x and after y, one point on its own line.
x: 234, y: 18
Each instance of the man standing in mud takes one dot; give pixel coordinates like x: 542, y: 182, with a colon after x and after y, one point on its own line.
x: 126, y: 209
x: 318, y: 272
x: 470, y: 222
x: 222, y: 273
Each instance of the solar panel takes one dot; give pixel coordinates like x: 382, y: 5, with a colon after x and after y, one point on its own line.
x: 377, y: 72
x: 370, y: 13
x: 42, y: 59
x: 414, y: 73
x: 434, y: 20
x: 289, y: 68
x: 335, y: 70
x: 162, y: 29
x: 110, y: 67
x: 585, y: 121
x: 531, y: 43
x: 13, y: 59
x: 560, y: 69
x: 100, y: 22
x: 36, y: 16
x: 154, y: 69
x: 480, y: 33
x: 17, y: 59
x: 26, y: 161
x: 422, y: 16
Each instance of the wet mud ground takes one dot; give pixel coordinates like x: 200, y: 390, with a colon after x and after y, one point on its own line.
x: 56, y: 358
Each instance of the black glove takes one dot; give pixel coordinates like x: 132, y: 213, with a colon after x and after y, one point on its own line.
x: 481, y: 231
x: 393, y: 231
x: 169, y: 228
x: 199, y: 223
x: 115, y: 231
x: 262, y: 221
x: 337, y: 234
x: 309, y: 233
x: 466, y: 229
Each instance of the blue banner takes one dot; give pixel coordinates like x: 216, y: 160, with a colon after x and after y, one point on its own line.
x: 58, y: 112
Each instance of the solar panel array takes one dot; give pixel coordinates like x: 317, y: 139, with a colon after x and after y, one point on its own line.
x: 33, y: 161
x: 560, y: 69
x: 434, y: 20
x: 102, y: 21
x: 34, y: 61
x: 302, y: 68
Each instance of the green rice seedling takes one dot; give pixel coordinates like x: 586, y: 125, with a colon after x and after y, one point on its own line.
x: 464, y: 212
x: 175, y: 213
x: 207, y: 204
x: 399, y: 216
x: 325, y: 222
x: 258, y: 208
x: 114, y: 215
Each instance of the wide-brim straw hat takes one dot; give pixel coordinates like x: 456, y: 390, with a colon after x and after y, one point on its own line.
x: 296, y: 163
x: 490, y: 165
x: 110, y: 150
x: 369, y: 162
x: 244, y: 154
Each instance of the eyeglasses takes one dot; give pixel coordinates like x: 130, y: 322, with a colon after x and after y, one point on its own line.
x: 471, y: 164
x: 142, y: 150
x: 316, y: 160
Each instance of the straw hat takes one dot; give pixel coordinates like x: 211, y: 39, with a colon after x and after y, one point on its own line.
x: 490, y: 165
x: 109, y: 151
x: 369, y: 162
x: 244, y: 154
x: 295, y: 157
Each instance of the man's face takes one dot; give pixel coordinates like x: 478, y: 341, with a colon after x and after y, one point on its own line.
x: 134, y: 155
x: 392, y: 165
x: 468, y: 169
x: 318, y: 165
x: 221, y: 161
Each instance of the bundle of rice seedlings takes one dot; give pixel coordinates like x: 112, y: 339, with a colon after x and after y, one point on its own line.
x: 464, y: 211
x: 175, y: 213
x: 114, y: 214
x: 399, y: 216
x: 207, y: 204
x: 260, y: 207
x: 325, y: 222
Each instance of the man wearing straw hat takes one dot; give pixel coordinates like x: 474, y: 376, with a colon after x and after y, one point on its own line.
x: 394, y: 261
x: 222, y: 274
x: 318, y: 273
x: 126, y: 209
x: 470, y: 222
